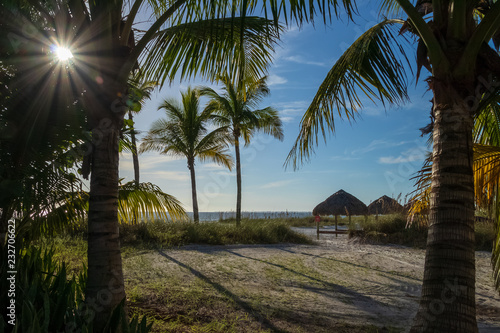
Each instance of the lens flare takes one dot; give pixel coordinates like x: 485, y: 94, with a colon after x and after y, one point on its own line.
x: 62, y: 53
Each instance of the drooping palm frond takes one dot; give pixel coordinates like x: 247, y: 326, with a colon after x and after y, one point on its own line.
x: 147, y: 202
x: 235, y: 108
x: 418, y: 209
x: 303, y: 11
x: 487, y: 122
x: 373, y: 64
x: 213, y: 46
x: 213, y: 147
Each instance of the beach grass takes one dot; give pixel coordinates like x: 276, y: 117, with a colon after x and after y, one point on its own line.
x: 393, y: 229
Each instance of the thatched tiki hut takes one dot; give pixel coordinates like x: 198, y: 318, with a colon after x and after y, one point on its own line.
x: 384, y: 205
x: 341, y: 203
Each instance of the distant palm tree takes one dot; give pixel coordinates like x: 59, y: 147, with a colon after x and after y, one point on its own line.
x: 235, y: 109
x: 185, y: 133
x: 139, y: 92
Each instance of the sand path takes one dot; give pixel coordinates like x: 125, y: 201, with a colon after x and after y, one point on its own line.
x: 337, y: 283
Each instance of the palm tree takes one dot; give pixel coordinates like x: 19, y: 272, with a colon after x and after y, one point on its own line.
x: 235, y: 109
x: 140, y: 91
x: 201, y: 37
x: 453, y: 39
x: 185, y: 133
x: 486, y: 168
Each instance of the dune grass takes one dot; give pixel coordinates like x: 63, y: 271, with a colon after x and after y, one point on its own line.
x: 160, y: 234
x: 391, y: 229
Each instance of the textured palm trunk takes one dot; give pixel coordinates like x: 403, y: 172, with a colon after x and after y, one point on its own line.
x: 238, y: 179
x: 196, y: 216
x: 135, y: 158
x: 448, y: 292
x: 105, y: 286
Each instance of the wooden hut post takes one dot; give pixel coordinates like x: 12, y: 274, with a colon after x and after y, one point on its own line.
x: 317, y: 219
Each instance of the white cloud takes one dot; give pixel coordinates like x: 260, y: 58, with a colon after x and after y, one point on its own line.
x: 412, y: 155
x: 169, y: 175
x: 377, y: 144
x: 146, y: 162
x: 289, y: 110
x: 287, y: 119
x: 300, y: 60
x: 274, y: 79
x: 212, y: 166
x: 344, y: 158
x: 372, y: 111
x: 279, y: 183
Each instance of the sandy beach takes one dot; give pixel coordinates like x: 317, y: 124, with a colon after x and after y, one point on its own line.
x: 336, y: 284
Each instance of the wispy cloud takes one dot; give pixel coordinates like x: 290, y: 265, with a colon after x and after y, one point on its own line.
x: 301, y: 60
x: 279, y: 183
x: 344, y: 158
x: 412, y: 155
x: 146, y: 162
x: 168, y: 175
x: 288, y: 110
x: 273, y: 80
x: 378, y: 144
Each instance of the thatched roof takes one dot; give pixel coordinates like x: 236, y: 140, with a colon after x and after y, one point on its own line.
x: 384, y: 205
x: 341, y: 203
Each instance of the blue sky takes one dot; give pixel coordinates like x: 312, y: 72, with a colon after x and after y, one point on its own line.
x: 375, y: 155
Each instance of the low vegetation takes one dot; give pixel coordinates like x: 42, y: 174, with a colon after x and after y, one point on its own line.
x: 392, y: 229
x: 204, y: 305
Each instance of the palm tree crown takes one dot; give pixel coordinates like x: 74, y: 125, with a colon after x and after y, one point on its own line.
x: 184, y: 133
x: 235, y: 110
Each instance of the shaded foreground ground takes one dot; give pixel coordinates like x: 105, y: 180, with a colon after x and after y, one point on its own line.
x: 335, y: 286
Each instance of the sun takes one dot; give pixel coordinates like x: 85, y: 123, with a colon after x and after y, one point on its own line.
x: 62, y: 53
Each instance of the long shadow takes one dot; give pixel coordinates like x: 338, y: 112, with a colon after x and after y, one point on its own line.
x: 242, y: 304
x: 352, y: 264
x: 331, y: 286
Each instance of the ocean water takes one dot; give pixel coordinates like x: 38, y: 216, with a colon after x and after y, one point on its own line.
x: 217, y: 216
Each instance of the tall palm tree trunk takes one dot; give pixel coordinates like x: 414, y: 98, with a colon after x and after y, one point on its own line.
x: 135, y: 158
x: 448, y: 291
x: 105, y: 285
x: 196, y: 216
x: 238, y: 179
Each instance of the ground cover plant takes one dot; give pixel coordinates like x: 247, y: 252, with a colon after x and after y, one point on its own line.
x: 394, y: 229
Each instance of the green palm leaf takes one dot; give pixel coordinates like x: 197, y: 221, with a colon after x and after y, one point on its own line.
x: 147, y: 201
x: 225, y: 45
x: 371, y: 65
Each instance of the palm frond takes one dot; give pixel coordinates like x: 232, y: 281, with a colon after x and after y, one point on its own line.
x: 303, y: 11
x: 418, y: 211
x: 269, y: 122
x: 372, y: 65
x: 147, y: 202
x: 486, y: 173
x: 487, y: 122
x: 209, y: 47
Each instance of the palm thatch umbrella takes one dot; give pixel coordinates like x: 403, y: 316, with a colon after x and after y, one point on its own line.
x: 384, y: 205
x: 341, y: 203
